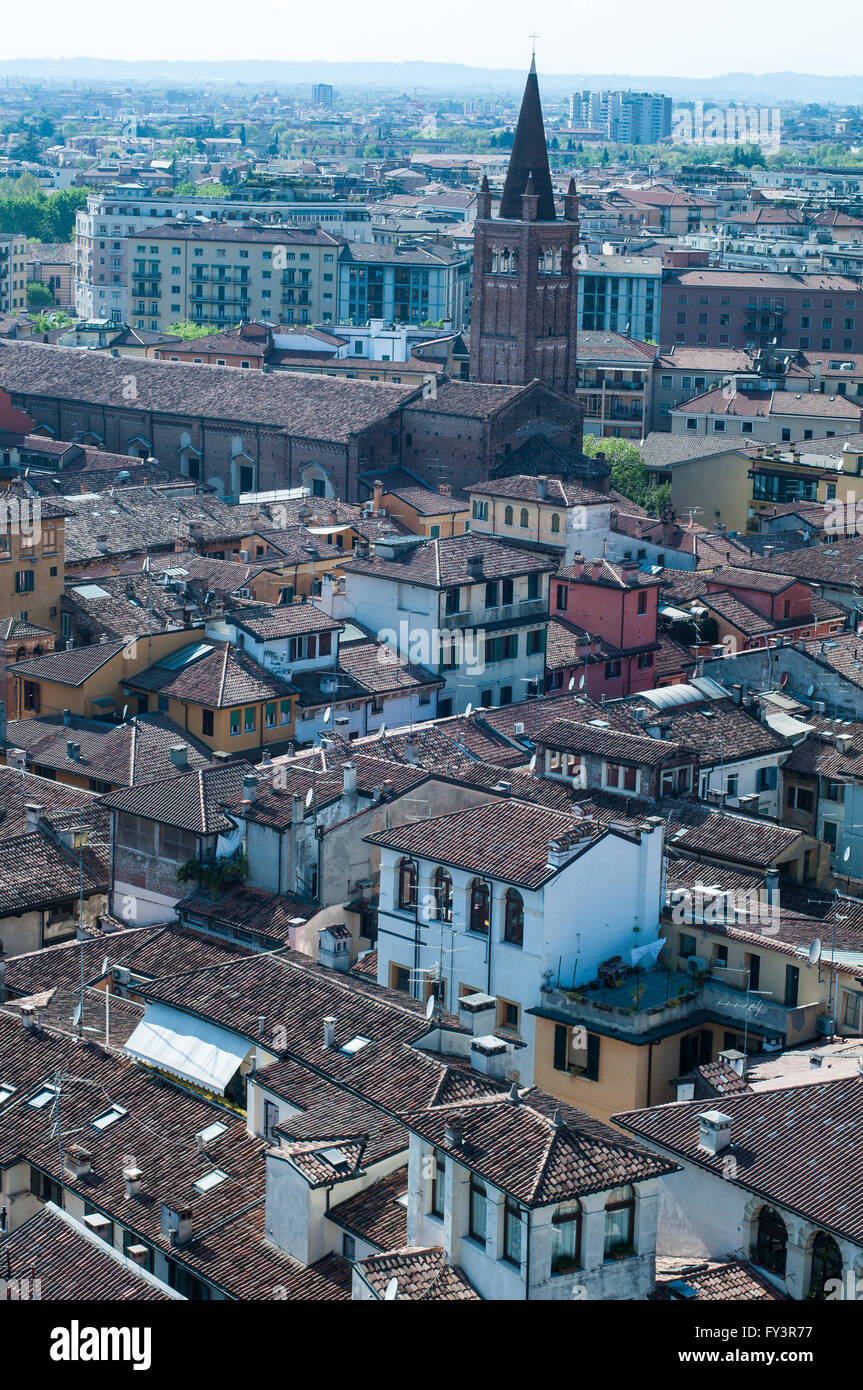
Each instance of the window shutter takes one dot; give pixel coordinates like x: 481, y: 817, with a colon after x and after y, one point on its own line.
x: 560, y: 1047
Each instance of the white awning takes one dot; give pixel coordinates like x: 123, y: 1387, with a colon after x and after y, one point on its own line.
x: 189, y: 1047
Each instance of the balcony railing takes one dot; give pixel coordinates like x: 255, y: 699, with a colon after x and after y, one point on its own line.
x: 503, y: 613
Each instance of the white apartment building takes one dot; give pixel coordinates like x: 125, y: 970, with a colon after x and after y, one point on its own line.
x: 469, y: 607
x: 504, y: 897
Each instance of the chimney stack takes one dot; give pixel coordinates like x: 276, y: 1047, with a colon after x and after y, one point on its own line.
x: 34, y: 813
x: 250, y: 788
x: 180, y: 754
x: 329, y: 1031
x: 489, y: 1056
x: 714, y: 1131
x: 132, y: 1176
x: 79, y: 1162
x: 176, y: 1224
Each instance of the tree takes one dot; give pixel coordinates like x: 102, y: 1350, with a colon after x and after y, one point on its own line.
x: 187, y: 330
x: 628, y: 474
x: 45, y: 323
x: 38, y: 295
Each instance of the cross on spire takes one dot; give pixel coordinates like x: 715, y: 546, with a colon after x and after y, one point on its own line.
x: 533, y: 38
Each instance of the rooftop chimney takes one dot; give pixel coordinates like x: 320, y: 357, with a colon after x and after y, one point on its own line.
x: 714, y: 1131
x: 489, y: 1056
x: 734, y: 1059
x: 34, y: 813
x: 180, y: 754
x: 250, y: 788
x: 474, y: 566
x: 138, y: 1254
x: 132, y: 1177
x: 67, y: 716
x: 176, y: 1224
x: 79, y: 1161
x: 329, y: 1031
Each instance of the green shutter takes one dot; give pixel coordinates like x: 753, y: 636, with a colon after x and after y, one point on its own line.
x: 560, y: 1047
x: 591, y: 1071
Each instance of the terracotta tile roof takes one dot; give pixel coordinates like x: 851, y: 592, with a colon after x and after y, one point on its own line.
x: 38, y: 870
x: 741, y: 839
x: 636, y: 750
x: 229, y: 1246
x: 72, y: 667
x: 734, y: 1282
x: 422, y: 1275
x: 721, y: 1079
x: 147, y: 951
x: 190, y: 800
x: 70, y: 1264
x: 817, y: 1175
x: 375, y: 1214
x: 63, y: 806
x: 253, y: 911
x: 219, y: 678
x: 508, y: 840
x: 720, y: 731
x: 671, y: 659
x: 739, y: 613
x: 443, y: 564
x: 534, y: 1148
x: 123, y: 754
x: 429, y: 503
x: 267, y: 622
x: 524, y: 487
x: 767, y: 583
x: 303, y: 406
x: 377, y: 668
x: 472, y: 399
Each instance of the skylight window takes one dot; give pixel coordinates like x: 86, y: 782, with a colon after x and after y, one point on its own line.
x: 43, y: 1097
x: 212, y: 1132
x: 210, y: 1180
x: 6, y: 1091
x: 336, y: 1158
x: 109, y: 1117
x: 355, y: 1045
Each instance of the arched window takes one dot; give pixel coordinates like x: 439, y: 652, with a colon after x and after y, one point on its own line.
x: 771, y: 1241
x: 479, y: 906
x: 513, y: 925
x: 566, y: 1238
x: 21, y: 654
x: 407, y: 883
x: 443, y: 895
x: 826, y: 1264
x: 619, y: 1223
x: 507, y: 516
x: 555, y: 522
x: 524, y: 520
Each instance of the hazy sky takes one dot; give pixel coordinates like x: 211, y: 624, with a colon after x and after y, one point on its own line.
x: 677, y: 37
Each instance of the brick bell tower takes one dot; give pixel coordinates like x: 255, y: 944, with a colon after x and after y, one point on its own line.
x: 524, y: 312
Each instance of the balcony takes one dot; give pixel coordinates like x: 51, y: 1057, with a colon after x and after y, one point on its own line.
x: 503, y: 613
x: 654, y: 999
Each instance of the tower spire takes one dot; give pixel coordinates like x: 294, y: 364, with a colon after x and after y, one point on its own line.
x: 529, y: 157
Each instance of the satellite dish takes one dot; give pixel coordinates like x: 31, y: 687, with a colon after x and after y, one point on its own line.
x: 392, y: 1291
x: 581, y: 682
x: 532, y: 763
x: 571, y: 685
x: 328, y: 714
x: 815, y: 951
x: 846, y: 854
x: 430, y: 1003
x: 468, y: 709
x: 309, y: 796
x: 810, y: 691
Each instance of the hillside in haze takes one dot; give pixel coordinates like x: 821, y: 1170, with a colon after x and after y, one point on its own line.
x: 744, y: 86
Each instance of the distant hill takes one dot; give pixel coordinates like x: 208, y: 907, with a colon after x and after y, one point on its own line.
x: 736, y: 86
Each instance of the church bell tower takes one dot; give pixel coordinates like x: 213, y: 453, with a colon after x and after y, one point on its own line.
x: 524, y: 312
